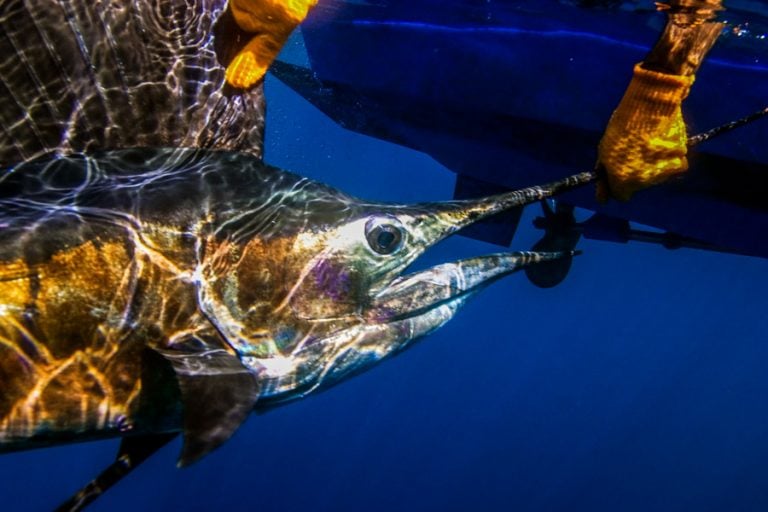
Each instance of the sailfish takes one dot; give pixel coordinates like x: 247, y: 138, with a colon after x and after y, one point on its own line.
x: 157, y: 278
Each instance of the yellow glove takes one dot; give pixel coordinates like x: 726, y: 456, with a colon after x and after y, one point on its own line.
x: 271, y: 23
x: 646, y: 139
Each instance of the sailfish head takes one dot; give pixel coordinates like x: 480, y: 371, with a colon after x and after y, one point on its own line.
x: 315, y: 286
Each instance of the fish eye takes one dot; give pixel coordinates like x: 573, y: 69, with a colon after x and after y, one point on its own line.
x: 384, y: 236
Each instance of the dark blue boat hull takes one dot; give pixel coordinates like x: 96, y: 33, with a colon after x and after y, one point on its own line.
x: 519, y: 92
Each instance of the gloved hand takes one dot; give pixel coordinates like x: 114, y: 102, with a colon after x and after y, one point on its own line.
x: 645, y: 141
x: 271, y: 23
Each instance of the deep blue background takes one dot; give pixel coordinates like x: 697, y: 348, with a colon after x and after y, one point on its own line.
x: 638, y: 384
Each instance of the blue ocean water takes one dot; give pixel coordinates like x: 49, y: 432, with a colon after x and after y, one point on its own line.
x: 637, y: 384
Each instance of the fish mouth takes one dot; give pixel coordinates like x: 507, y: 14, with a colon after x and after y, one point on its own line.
x: 422, y: 301
x: 417, y: 303
x: 430, y: 297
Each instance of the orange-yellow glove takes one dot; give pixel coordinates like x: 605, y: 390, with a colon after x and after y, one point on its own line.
x: 271, y: 23
x: 645, y: 141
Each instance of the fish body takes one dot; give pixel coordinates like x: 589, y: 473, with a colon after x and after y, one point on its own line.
x: 101, y: 261
x: 126, y: 275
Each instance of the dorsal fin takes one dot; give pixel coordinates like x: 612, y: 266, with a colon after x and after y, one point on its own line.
x: 80, y: 76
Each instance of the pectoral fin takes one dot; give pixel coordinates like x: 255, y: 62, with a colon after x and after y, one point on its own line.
x: 217, y: 394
